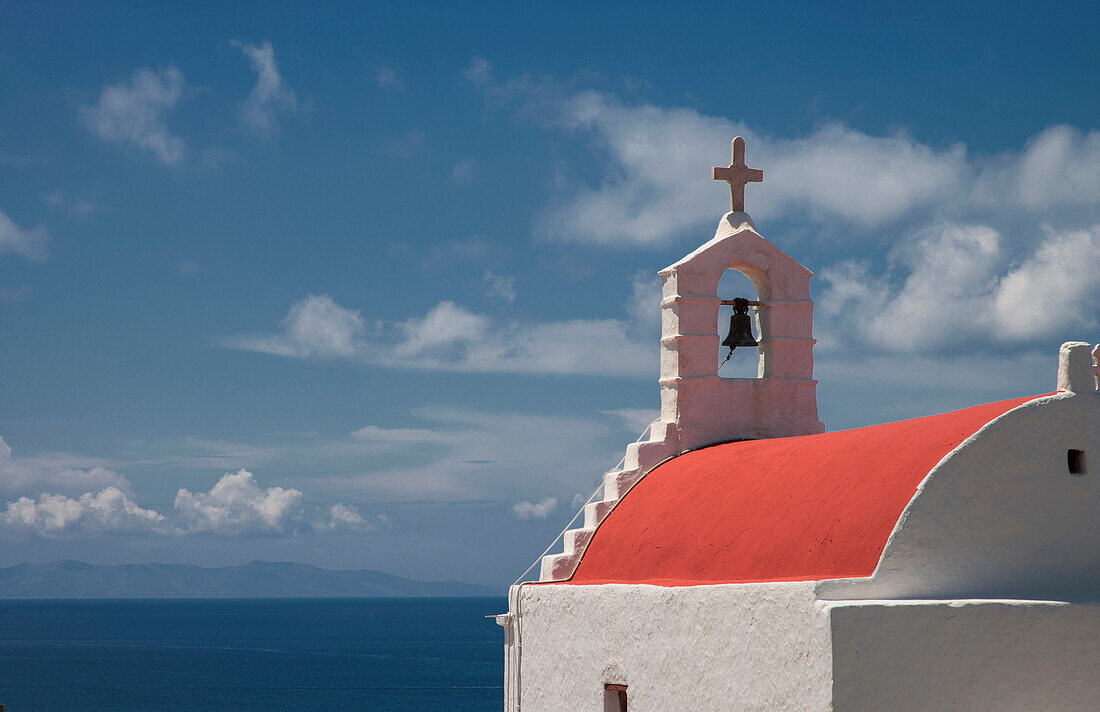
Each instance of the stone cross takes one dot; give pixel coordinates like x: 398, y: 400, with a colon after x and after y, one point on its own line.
x: 738, y: 174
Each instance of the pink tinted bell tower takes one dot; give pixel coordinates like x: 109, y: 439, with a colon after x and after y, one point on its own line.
x: 704, y: 407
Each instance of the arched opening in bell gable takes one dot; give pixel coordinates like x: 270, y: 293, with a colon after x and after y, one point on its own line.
x: 745, y: 360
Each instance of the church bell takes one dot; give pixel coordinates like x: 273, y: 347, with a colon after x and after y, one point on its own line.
x: 740, y: 333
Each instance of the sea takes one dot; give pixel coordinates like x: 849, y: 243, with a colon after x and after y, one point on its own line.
x: 216, y: 655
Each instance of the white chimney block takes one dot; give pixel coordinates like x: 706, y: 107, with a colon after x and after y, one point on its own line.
x: 1096, y: 366
x: 1075, y: 374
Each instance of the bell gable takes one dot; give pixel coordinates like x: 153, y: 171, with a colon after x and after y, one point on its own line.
x: 705, y: 407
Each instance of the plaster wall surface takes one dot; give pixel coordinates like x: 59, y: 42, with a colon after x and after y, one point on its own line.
x: 696, y: 649
x: 982, y: 656
x: 1001, y: 516
x: 743, y: 408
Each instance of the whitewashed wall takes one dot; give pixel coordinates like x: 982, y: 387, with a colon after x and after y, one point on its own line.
x: 700, y: 648
x: 772, y: 647
x: 1001, y: 516
x: 985, y: 656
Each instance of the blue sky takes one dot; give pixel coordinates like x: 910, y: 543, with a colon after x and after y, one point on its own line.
x: 397, y: 263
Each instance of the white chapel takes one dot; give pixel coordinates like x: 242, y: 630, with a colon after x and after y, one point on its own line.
x: 742, y: 559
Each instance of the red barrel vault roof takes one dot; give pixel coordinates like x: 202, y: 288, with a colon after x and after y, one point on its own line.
x: 804, y: 508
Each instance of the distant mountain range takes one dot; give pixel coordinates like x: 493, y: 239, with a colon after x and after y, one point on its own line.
x: 259, y: 579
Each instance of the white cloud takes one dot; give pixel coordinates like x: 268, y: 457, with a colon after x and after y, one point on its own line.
x: 270, y: 96
x: 57, y: 472
x: 643, y: 307
x: 506, y: 456
x: 956, y: 286
x: 527, y: 510
x: 636, y: 419
x: 347, y: 517
x: 445, y: 253
x: 234, y: 506
x: 407, y: 146
x: 450, y: 337
x: 11, y: 295
x: 451, y: 454
x: 1058, y: 168
x: 480, y: 71
x: 217, y: 156
x: 464, y: 172
x: 315, y: 327
x: 20, y: 241
x: 79, y: 207
x: 949, y: 276
x: 51, y: 515
x: 387, y: 78
x: 660, y: 189
x: 499, y: 286
x: 657, y: 184
x: 865, y: 179
x: 319, y: 326
x: 188, y: 268
x: 204, y: 453
x: 1055, y: 289
x: 134, y: 112
x: 373, y: 433
x: 237, y: 505
x: 864, y: 387
x: 446, y: 325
